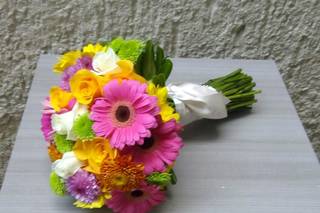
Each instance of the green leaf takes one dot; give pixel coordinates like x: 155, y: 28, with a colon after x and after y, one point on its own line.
x: 138, y: 65
x: 148, y: 65
x: 153, y: 65
x: 166, y: 68
x: 159, y: 80
x: 174, y: 179
x: 159, y: 58
x: 171, y: 103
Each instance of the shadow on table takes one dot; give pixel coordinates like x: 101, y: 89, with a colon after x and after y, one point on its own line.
x: 206, y: 129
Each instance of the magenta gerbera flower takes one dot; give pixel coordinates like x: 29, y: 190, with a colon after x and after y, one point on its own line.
x: 83, y: 186
x: 46, y: 127
x: 140, y: 200
x: 125, y: 114
x: 159, y: 150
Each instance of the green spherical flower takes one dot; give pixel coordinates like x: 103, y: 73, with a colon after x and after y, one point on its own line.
x: 127, y: 49
x: 130, y: 50
x: 160, y: 179
x: 63, y: 145
x: 56, y: 184
x: 116, y: 44
x: 82, y: 127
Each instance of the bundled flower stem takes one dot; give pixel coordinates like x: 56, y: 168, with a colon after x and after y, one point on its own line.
x: 238, y: 87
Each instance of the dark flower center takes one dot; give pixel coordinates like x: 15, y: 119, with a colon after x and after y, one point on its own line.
x: 123, y: 113
x: 136, y: 193
x: 148, y: 143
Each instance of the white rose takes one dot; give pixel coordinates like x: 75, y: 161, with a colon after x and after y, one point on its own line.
x: 63, y: 123
x: 104, y: 62
x: 67, y: 166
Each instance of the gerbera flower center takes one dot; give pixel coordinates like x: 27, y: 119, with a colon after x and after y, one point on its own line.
x: 148, y: 143
x: 121, y: 174
x: 136, y: 193
x: 120, y: 180
x: 122, y: 113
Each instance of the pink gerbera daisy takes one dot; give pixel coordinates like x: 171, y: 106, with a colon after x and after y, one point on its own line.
x: 159, y: 150
x: 139, y: 200
x: 46, y: 127
x: 47, y: 112
x: 125, y: 114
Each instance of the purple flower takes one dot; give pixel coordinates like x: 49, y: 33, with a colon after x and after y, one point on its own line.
x: 83, y: 186
x: 82, y: 63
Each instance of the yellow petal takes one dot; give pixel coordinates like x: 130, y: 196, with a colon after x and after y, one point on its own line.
x: 125, y: 65
x: 91, y: 50
x: 66, y: 60
x: 94, y: 205
x: 107, y: 195
x: 94, y: 152
x: 166, y: 111
x: 59, y: 98
x: 85, y: 86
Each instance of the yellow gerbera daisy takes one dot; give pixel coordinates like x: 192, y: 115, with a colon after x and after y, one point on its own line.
x: 66, y: 60
x: 92, y: 49
x: 167, y: 112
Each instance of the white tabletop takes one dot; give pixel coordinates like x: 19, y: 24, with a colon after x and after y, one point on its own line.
x: 256, y: 161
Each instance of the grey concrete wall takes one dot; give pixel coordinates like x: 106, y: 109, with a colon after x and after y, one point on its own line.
x: 286, y: 31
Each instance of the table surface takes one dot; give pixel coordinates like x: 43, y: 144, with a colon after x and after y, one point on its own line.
x: 256, y: 161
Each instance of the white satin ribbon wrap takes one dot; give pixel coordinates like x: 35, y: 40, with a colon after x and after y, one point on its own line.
x: 194, y: 102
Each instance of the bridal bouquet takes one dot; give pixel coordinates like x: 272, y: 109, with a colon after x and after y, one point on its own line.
x: 112, y: 125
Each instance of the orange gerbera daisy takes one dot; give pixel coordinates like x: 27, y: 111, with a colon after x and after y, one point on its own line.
x: 121, y: 173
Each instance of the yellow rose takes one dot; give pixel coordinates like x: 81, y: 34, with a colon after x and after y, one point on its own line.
x: 85, y: 86
x: 59, y: 98
x: 93, y: 152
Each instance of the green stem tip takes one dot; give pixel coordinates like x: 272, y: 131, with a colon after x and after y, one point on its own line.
x: 238, y: 87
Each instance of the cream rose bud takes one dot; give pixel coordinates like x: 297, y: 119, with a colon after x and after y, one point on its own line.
x: 104, y: 62
x: 67, y: 166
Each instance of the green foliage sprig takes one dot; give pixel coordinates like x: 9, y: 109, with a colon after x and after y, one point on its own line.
x: 153, y: 65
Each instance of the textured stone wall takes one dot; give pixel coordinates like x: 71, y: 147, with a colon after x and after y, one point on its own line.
x: 286, y: 31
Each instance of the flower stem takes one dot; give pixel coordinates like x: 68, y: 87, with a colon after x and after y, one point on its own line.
x: 238, y: 87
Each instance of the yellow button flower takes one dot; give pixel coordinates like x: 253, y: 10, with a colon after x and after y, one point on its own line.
x: 166, y: 112
x: 66, y: 60
x: 59, y: 98
x: 91, y: 50
x: 94, y: 152
x: 85, y: 86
